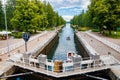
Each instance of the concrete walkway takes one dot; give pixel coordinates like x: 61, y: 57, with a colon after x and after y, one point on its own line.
x: 113, y: 40
x: 104, y: 41
x: 31, y: 44
x: 99, y: 47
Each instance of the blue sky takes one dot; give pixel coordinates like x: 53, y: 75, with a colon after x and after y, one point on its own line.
x: 68, y: 8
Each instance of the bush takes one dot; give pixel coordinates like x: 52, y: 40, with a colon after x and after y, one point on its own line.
x: 17, y: 34
x: 117, y: 36
x: 95, y: 30
x: 83, y: 28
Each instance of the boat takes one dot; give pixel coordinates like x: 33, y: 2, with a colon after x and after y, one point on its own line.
x: 68, y: 38
x: 71, y: 56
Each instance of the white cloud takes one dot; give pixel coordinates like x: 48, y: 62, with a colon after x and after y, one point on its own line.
x: 73, y: 1
x: 85, y: 4
x: 69, y: 8
x: 67, y: 17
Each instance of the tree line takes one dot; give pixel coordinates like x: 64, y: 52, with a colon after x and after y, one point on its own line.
x: 29, y: 15
x: 104, y: 14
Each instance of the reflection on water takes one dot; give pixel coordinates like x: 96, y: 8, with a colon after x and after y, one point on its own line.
x: 66, y: 43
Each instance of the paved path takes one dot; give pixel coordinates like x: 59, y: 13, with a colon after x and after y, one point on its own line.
x: 113, y: 40
x: 31, y: 44
x: 99, y: 47
x: 105, y: 41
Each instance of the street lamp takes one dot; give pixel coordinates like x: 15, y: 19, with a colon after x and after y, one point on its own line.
x: 6, y: 28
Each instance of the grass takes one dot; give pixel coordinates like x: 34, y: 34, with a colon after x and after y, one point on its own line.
x: 95, y: 30
x: 83, y: 28
x: 117, y: 36
x: 51, y: 28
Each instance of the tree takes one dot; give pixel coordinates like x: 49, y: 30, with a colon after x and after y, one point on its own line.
x: 44, y: 19
x: 40, y: 20
x: 98, y: 11
x: 10, y: 7
x: 32, y: 15
x: 1, y: 17
x: 112, y: 19
x: 82, y: 20
x: 50, y: 15
x: 27, y: 15
x: 105, y: 13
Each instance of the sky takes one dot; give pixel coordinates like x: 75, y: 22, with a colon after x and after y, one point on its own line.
x: 68, y: 8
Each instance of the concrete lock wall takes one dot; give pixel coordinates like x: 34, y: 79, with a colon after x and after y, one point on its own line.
x: 81, y: 47
x: 85, y: 48
x: 8, y: 72
x: 46, y: 48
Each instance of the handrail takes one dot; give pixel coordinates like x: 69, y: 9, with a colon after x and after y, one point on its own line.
x: 71, y: 66
x: 14, y: 75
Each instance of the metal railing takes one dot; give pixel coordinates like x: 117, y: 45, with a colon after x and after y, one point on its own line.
x: 66, y: 67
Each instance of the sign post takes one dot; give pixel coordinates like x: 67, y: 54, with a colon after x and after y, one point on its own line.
x: 26, y: 37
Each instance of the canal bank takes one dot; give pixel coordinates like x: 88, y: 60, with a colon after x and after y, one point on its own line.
x: 7, y: 68
x: 85, y: 48
x: 45, y: 47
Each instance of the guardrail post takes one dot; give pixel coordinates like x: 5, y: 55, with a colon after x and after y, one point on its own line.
x: 52, y: 65
x: 81, y: 64
x: 93, y: 65
x: 47, y: 66
x: 2, y: 52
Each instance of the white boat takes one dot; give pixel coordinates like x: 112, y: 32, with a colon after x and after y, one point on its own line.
x: 71, y: 55
x: 68, y: 38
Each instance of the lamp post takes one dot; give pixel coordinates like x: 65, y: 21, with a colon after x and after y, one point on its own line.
x: 6, y: 28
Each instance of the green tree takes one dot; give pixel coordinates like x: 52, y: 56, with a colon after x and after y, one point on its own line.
x: 98, y: 11
x: 50, y: 15
x: 1, y: 17
x: 27, y: 15
x: 44, y: 19
x: 10, y: 7
x: 112, y: 17
x: 105, y: 13
x: 32, y: 15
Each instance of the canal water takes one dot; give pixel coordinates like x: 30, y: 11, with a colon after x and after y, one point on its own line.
x: 65, y: 43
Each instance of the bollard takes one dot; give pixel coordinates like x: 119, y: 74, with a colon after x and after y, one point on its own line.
x: 58, y: 66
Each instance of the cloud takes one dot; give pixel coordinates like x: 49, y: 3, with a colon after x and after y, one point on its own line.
x: 67, y: 17
x: 69, y: 8
x: 85, y: 4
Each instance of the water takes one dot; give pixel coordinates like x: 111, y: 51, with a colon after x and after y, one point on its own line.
x: 64, y: 45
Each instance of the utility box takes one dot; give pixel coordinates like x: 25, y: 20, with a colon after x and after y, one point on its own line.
x: 26, y: 58
x: 42, y: 60
x: 76, y: 60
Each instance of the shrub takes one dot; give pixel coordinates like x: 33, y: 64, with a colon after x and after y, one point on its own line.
x: 95, y: 30
x: 83, y: 28
x: 17, y: 34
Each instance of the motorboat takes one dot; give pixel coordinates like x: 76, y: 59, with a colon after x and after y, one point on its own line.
x: 71, y: 56
x: 68, y: 38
